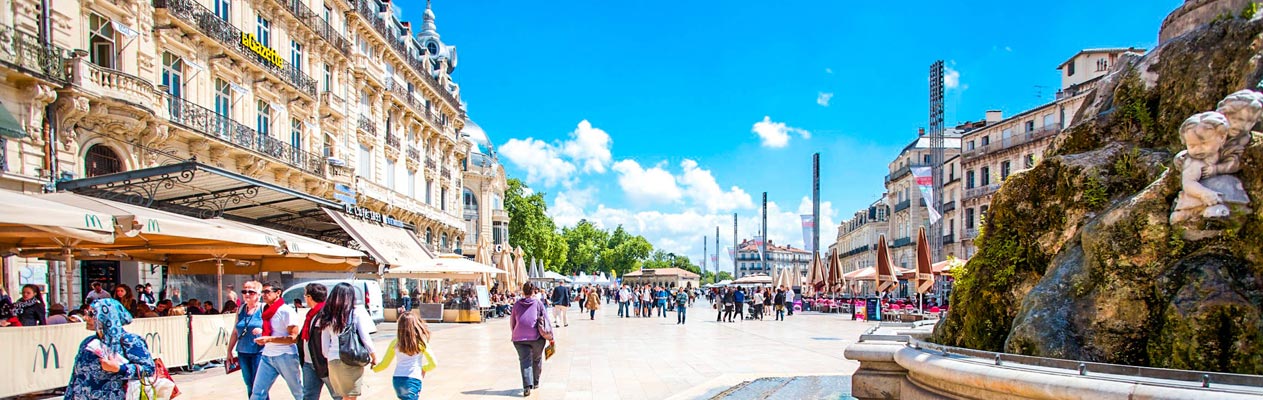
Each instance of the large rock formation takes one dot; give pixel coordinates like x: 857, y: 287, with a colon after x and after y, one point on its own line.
x: 1078, y: 259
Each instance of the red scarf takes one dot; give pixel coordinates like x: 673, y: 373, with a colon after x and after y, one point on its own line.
x: 267, y: 316
x: 310, y: 314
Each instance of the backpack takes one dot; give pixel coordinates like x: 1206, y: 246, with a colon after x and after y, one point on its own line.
x: 351, y: 350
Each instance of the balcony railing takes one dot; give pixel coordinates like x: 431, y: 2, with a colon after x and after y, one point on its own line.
x: 24, y: 50
x: 414, y: 154
x: 949, y: 206
x: 949, y: 238
x: 332, y: 101
x: 408, y: 98
x: 392, y: 140
x: 903, y: 205
x: 366, y: 125
x: 981, y: 190
x: 970, y: 234
x: 197, y: 15
x: 447, y: 172
x: 901, y: 171
x: 111, y: 83
x: 855, y: 251
x: 499, y: 215
x: 341, y: 171
x: 317, y: 24
x: 373, y: 17
x: 429, y: 162
x: 900, y: 242
x: 1011, y: 142
x: 202, y: 120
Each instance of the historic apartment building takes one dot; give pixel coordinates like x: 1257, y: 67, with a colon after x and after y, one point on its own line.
x: 778, y: 258
x: 333, y: 101
x: 856, y: 242
x: 483, y: 196
x: 1007, y: 145
x: 908, y: 208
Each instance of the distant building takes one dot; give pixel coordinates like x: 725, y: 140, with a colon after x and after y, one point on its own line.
x: 666, y: 277
x: 908, y: 210
x: 857, y: 237
x: 778, y: 258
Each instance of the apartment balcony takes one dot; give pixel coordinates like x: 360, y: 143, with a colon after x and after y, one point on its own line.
x: 855, y: 251
x: 373, y: 18
x: 366, y: 125
x: 903, y: 171
x: 332, y: 103
x: 414, y: 154
x: 1011, y: 142
x: 981, y: 191
x: 341, y: 174
x: 407, y: 203
x: 949, y: 238
x: 970, y: 234
x: 429, y: 162
x: 901, y: 242
x: 392, y: 140
x: 206, y: 122
x: 949, y: 206
x: 114, y: 84
x: 447, y: 172
x: 500, y: 215
x: 317, y: 24
x: 903, y: 205
x: 24, y: 51
x: 198, y: 18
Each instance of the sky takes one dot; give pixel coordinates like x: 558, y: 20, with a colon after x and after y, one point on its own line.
x: 669, y: 117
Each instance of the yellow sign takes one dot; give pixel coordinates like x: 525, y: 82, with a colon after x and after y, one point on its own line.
x: 252, y: 43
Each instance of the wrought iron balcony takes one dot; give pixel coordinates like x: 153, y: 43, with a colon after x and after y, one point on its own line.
x: 447, y: 172
x: 901, y: 171
x: 373, y: 17
x: 970, y: 234
x: 366, y: 125
x: 414, y: 154
x: 855, y: 251
x: 202, y: 120
x: 949, y: 206
x: 981, y: 190
x: 195, y: 14
x: 429, y: 162
x: 903, y: 205
x: 24, y: 51
x: 401, y: 92
x: 392, y: 140
x: 949, y: 238
x: 900, y: 242
x: 317, y: 24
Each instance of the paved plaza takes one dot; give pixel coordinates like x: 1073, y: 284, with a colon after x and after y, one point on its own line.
x: 609, y: 358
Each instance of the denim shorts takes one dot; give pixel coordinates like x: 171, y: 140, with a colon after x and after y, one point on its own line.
x: 407, y: 388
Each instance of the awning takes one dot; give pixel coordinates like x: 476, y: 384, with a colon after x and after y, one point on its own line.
x: 446, y: 266
x: 9, y: 126
x: 28, y: 220
x: 388, y: 245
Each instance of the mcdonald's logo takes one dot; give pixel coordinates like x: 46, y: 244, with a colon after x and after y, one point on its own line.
x: 221, y: 338
x: 152, y: 226
x: 45, y: 352
x: 154, y: 340
x: 91, y: 221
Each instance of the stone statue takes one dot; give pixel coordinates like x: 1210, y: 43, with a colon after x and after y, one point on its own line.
x: 1215, y: 141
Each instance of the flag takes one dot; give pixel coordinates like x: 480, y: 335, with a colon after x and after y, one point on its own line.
x: 925, y: 182
x: 809, y: 224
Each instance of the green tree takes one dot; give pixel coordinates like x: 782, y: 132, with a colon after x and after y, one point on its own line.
x: 585, y: 242
x: 624, y: 252
x: 530, y: 227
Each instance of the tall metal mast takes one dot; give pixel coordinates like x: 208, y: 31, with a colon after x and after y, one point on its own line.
x: 937, y: 148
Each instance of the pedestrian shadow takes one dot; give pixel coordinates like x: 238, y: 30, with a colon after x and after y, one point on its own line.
x: 489, y: 392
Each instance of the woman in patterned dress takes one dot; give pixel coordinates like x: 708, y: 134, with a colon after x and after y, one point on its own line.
x: 97, y: 378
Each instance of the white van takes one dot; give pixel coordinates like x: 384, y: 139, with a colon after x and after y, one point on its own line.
x: 368, y: 294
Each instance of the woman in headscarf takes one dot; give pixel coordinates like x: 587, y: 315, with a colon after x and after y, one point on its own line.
x: 110, y: 358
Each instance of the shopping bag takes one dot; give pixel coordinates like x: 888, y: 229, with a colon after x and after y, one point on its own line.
x: 164, y: 383
x: 550, y: 349
x: 141, y: 389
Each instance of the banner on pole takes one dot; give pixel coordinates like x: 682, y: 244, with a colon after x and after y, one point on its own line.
x: 925, y: 182
x: 809, y: 224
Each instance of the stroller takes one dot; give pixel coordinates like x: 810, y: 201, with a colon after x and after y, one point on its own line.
x: 756, y: 311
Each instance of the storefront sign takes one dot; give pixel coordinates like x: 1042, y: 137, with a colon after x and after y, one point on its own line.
x: 252, y: 43
x: 371, y: 215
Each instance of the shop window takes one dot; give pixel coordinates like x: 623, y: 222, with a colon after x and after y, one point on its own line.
x: 101, y: 160
x: 102, y: 41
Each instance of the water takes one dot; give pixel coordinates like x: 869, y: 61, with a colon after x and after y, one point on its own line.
x: 796, y: 387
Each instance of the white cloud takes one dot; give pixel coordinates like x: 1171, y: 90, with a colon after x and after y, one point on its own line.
x: 776, y: 134
x: 588, y: 146
x: 700, y: 186
x: 1008, y: 49
x: 823, y: 98
x: 541, y: 161
x: 652, y: 185
x: 828, y: 71
x: 951, y: 78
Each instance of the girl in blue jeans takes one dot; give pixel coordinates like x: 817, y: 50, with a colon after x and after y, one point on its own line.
x: 411, y: 342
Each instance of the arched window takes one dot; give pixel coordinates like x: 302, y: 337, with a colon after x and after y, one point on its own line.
x: 429, y: 236
x: 101, y: 160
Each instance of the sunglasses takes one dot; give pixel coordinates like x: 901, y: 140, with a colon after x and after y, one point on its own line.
x: 248, y: 292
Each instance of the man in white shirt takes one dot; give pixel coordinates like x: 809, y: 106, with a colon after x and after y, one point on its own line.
x: 280, y: 355
x: 624, y: 302
x: 97, y: 293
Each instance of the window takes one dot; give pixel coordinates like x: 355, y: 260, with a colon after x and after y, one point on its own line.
x: 1005, y: 168
x: 429, y: 236
x: 1070, y: 68
x: 970, y: 146
x: 101, y: 41
x: 984, y: 175
x: 969, y: 179
x: 926, y: 159
x: 982, y: 213
x: 986, y: 140
x: 264, y: 32
x: 264, y: 121
x: 296, y: 55
x: 1030, y: 160
x: 429, y: 193
x: 223, y: 107
x: 101, y: 160
x: 969, y: 218
x: 1102, y: 65
x: 296, y: 135
x: 390, y: 174
x: 412, y: 184
x: 328, y: 81
x: 1030, y: 126
x: 222, y: 8
x: 1049, y: 121
x: 443, y: 199
x: 328, y: 14
x: 366, y: 163
x: 443, y: 241
x: 173, y: 74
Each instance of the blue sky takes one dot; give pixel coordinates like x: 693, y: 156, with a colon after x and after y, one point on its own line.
x: 673, y: 92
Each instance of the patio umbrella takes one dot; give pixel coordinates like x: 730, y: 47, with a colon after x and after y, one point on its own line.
x: 885, y: 278
x: 522, y: 275
x: 815, y: 274
x: 925, y: 272
x: 28, y: 221
x: 834, y: 280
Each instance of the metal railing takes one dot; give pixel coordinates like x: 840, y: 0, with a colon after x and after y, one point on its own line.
x: 447, y: 172
x: 317, y: 24
x: 1011, y: 142
x: 855, y: 251
x: 949, y: 238
x: 24, y: 50
x: 948, y: 206
x: 903, y: 205
x: 970, y: 234
x: 202, y: 120
x: 981, y: 190
x: 366, y: 125
x: 901, y: 171
x: 900, y: 242
x: 392, y: 140
x: 406, y: 97
x: 4, y: 155
x: 194, y: 13
x: 374, y: 19
x: 429, y: 162
x: 414, y: 154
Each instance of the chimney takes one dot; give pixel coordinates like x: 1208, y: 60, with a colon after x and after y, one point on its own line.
x: 920, y: 131
x: 994, y: 116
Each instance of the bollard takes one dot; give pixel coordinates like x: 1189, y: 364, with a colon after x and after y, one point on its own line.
x: 1083, y: 369
x: 1205, y: 380
x: 997, y: 359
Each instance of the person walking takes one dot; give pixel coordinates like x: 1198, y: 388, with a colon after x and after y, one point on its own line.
x: 561, y: 302
x: 681, y: 305
x: 279, y: 358
x: 624, y: 302
x: 30, y: 309
x: 739, y: 301
x: 405, y: 301
x: 646, y: 301
x: 593, y: 303
x: 315, y: 366
x: 412, y: 341
x: 729, y: 303
x: 109, y: 358
x: 779, y: 303
x: 340, y: 315
x: 660, y: 293
x: 248, y: 327
x: 527, y: 339
x: 790, y: 300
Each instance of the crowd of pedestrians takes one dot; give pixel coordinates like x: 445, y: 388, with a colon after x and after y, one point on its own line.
x: 736, y: 303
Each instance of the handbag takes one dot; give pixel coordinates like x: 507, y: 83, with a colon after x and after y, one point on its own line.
x: 160, y: 371
x: 541, y: 325
x: 232, y: 366
x: 351, y: 350
x: 550, y: 349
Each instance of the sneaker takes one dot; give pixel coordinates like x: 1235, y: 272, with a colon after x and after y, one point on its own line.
x: 526, y: 392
